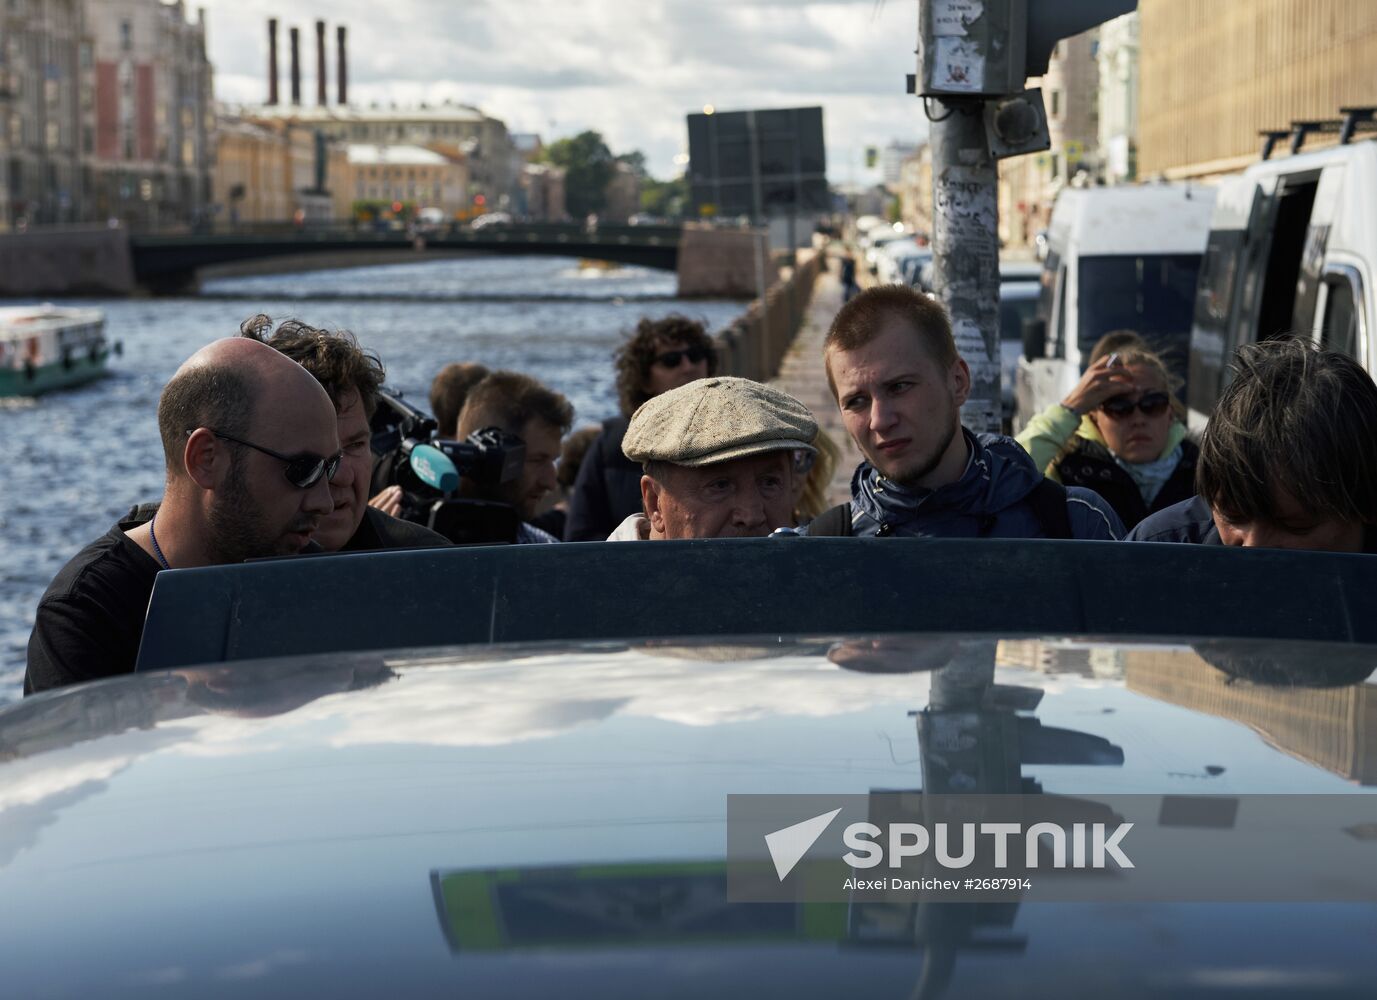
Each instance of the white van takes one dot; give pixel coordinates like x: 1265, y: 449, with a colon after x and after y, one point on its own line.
x: 1292, y: 248
x: 1118, y: 258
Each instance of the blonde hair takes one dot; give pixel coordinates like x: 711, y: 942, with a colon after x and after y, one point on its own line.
x: 812, y: 500
x: 1143, y: 358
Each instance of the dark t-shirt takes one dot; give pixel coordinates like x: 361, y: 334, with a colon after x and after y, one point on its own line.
x: 608, y: 487
x: 90, y: 619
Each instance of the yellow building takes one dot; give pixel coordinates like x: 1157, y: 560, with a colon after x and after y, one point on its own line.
x: 413, y: 175
x: 273, y: 171
x: 1214, y: 74
x: 915, y: 190
x: 248, y: 183
x: 1332, y: 728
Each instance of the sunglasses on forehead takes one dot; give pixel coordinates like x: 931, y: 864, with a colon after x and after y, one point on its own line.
x: 671, y: 359
x: 303, y: 471
x: 1151, y: 403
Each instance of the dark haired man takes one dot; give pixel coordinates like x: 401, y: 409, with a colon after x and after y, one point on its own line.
x: 893, y: 367
x: 519, y: 405
x: 448, y: 391
x: 351, y: 377
x: 662, y: 354
x: 250, y: 444
x: 1288, y: 459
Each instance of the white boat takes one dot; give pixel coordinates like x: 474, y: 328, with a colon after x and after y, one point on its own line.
x: 50, y: 347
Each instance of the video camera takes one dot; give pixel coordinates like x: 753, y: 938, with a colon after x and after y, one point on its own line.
x: 408, y: 452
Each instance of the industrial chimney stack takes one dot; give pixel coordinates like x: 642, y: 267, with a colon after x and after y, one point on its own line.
x: 296, y: 67
x: 321, y: 97
x: 341, y: 67
x: 272, y: 60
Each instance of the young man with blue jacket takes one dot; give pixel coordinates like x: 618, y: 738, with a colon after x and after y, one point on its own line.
x: 893, y: 367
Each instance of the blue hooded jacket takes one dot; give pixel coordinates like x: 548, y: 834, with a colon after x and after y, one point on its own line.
x: 988, y: 501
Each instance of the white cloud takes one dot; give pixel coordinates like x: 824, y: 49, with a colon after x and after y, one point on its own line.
x: 630, y: 69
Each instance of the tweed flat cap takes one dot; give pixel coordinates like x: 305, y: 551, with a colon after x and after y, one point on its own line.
x: 715, y: 420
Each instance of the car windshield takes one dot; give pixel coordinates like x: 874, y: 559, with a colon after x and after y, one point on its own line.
x: 1152, y: 295
x: 1013, y: 310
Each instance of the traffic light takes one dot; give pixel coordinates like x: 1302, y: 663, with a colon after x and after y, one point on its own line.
x: 990, y: 47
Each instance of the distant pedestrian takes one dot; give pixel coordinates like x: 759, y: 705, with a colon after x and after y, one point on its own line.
x: 892, y: 363
x: 1288, y: 459
x: 661, y: 355
x: 848, y: 277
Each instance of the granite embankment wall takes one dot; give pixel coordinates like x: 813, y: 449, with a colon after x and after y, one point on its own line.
x: 66, y: 261
x: 755, y: 343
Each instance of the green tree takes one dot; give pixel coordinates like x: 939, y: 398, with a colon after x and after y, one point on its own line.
x: 588, y: 166
x: 666, y: 199
x: 636, y: 161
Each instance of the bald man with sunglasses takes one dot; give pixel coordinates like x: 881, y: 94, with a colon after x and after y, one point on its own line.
x: 250, y: 443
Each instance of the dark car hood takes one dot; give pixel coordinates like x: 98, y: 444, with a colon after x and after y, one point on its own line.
x: 551, y: 819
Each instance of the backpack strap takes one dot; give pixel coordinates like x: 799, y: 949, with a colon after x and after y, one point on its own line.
x: 1048, y: 501
x: 834, y: 522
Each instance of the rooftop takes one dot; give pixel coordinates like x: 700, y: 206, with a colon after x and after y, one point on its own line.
x: 374, y: 155
x: 352, y: 113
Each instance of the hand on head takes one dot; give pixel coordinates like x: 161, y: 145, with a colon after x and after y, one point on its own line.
x: 1099, y: 383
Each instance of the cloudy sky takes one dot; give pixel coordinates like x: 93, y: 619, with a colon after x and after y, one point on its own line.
x: 631, y: 69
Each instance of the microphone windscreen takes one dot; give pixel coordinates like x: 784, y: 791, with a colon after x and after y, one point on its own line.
x: 434, y: 468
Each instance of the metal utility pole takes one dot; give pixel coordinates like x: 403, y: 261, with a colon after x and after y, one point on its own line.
x: 965, y: 246
x: 974, y: 57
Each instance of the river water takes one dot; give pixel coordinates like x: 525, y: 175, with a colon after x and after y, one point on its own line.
x: 72, y: 462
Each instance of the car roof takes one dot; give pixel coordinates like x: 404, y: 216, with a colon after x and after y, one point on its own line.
x: 1131, y: 219
x: 526, y: 818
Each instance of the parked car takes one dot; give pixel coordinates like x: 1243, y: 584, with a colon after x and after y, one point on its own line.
x: 1292, y: 248
x: 892, y: 258
x: 1118, y: 258
x: 880, y: 240
x: 1009, y: 270
x: 1018, y: 304
x: 413, y: 818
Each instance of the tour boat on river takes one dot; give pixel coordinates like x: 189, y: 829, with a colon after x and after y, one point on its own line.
x: 50, y: 347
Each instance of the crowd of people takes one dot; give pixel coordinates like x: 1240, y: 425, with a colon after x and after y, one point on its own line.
x: 268, y: 448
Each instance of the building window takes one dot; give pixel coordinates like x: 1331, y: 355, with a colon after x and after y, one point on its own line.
x: 1056, y: 104
x: 126, y: 36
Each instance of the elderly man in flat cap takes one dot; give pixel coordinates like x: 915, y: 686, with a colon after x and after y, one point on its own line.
x: 718, y: 456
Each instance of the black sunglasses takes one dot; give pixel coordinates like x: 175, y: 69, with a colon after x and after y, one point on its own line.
x: 303, y: 471
x: 1151, y: 403
x: 671, y: 359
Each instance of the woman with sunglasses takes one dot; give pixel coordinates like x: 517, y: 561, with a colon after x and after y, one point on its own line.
x: 1120, y: 432
x: 661, y: 355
